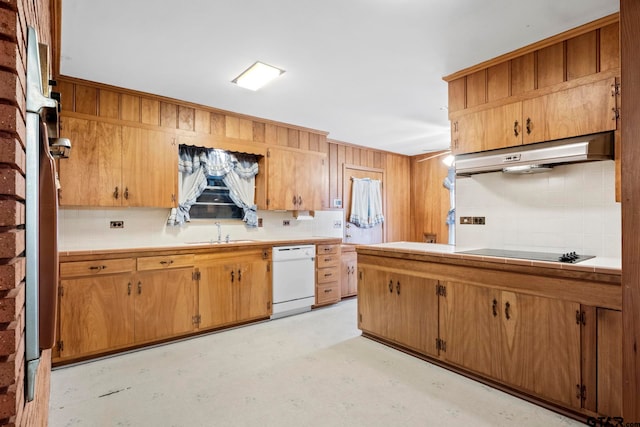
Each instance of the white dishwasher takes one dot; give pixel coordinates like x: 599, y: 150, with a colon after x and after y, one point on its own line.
x: 294, y: 283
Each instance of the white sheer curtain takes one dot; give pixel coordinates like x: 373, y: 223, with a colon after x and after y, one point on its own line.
x: 366, y: 202
x: 237, y: 171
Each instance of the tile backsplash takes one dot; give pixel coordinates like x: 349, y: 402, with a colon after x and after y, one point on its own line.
x: 571, y: 208
x: 85, y: 229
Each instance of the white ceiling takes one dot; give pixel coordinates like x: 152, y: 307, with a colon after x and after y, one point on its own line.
x: 367, y: 71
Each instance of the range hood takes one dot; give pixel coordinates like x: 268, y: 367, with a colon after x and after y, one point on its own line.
x: 538, y: 157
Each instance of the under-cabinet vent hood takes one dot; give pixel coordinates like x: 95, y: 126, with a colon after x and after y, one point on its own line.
x: 538, y: 157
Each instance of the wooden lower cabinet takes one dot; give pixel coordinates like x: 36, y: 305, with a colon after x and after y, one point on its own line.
x: 348, y: 270
x: 96, y: 314
x: 533, y: 344
x: 164, y: 304
x: 399, y: 307
x: 107, y: 312
x: 609, y: 360
x: 234, y: 290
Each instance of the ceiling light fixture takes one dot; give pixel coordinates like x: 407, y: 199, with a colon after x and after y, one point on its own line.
x: 256, y: 76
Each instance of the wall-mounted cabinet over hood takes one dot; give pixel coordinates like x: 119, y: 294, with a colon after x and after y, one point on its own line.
x: 538, y: 157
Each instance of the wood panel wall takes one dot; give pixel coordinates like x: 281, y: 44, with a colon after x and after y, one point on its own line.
x: 15, y: 16
x: 630, y: 128
x: 429, y: 197
x: 574, y: 54
x: 396, y: 187
x: 193, y: 122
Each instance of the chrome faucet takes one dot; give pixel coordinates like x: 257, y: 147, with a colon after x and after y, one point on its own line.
x: 217, y: 224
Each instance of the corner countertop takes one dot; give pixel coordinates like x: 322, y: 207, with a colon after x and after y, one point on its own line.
x: 603, y: 265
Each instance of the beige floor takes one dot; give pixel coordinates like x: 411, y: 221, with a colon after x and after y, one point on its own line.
x: 313, y: 369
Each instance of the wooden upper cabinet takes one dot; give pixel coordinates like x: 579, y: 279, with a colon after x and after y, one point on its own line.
x: 91, y: 175
x: 149, y: 168
x: 577, y: 111
x: 296, y: 180
x: 112, y: 165
x: 498, y: 82
x: 610, y: 47
x: 488, y: 129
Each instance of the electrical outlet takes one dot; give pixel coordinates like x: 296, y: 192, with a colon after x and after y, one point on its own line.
x: 337, y: 203
x: 286, y: 222
x: 116, y: 224
x: 466, y: 220
x: 337, y: 223
x: 478, y: 220
x: 259, y: 222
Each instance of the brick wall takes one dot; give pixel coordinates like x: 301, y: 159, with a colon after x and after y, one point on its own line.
x: 15, y: 16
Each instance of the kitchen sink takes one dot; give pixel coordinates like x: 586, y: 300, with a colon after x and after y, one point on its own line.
x: 215, y: 242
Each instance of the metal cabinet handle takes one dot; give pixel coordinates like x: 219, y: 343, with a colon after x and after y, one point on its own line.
x: 300, y: 200
x: 129, y: 288
x: 239, y: 275
x: 294, y: 200
x: 528, y: 126
x: 494, y: 307
x: 507, y: 310
x: 232, y: 275
x: 116, y: 194
x: 327, y: 290
x: 126, y: 193
x: 328, y: 274
x: 139, y: 288
x: 97, y: 267
x: 515, y: 128
x: 165, y: 263
x: 398, y: 287
x: 390, y: 286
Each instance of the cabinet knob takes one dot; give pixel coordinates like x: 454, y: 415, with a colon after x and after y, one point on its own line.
x: 300, y: 200
x: 139, y: 288
x: 398, y: 287
x: 515, y: 129
x: 126, y: 193
x: 232, y: 275
x: 528, y: 126
x: 129, y: 288
x: 494, y: 307
x: 293, y: 200
x: 116, y: 194
x: 507, y: 310
x: 390, y: 286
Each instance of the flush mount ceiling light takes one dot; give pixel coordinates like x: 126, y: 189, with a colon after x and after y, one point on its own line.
x: 256, y: 76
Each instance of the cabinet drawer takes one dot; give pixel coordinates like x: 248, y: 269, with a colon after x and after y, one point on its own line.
x: 97, y: 267
x: 328, y: 293
x: 328, y: 274
x: 327, y: 249
x: 162, y: 262
x: 330, y: 260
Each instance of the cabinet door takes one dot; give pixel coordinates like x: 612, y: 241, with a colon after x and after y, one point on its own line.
x: 149, y: 168
x: 253, y: 284
x: 164, y: 303
x: 414, y: 317
x: 348, y: 280
x: 281, y: 177
x: 488, y: 129
x: 610, y: 376
x: 311, y: 181
x: 470, y: 327
x: 577, y: 111
x: 92, y: 174
x: 96, y: 314
x: 374, y: 299
x: 541, y: 346
x: 216, y: 295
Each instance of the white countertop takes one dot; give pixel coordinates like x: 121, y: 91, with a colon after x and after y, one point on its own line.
x: 600, y: 263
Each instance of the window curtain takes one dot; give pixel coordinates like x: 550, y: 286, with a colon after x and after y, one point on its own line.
x: 238, y: 172
x: 366, y: 202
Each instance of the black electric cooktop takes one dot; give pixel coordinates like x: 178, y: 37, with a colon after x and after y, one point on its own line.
x: 570, y: 257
